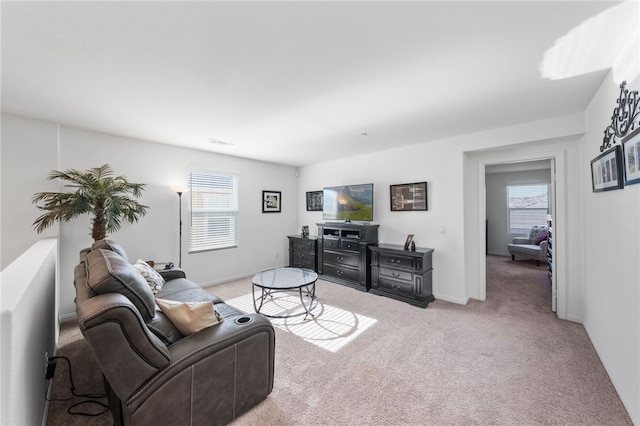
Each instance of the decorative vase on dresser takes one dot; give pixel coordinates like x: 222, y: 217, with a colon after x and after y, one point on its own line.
x: 402, y: 274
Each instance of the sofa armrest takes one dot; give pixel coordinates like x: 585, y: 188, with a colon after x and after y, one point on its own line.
x: 113, y: 327
x: 172, y: 274
x: 521, y: 240
x: 234, y: 358
x: 543, y: 246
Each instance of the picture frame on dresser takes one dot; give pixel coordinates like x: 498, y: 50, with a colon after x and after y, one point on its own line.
x: 314, y: 201
x: 631, y: 157
x: 606, y: 170
x: 271, y: 201
x: 408, y: 196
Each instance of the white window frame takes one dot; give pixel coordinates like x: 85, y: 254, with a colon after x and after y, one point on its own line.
x: 213, y: 211
x: 524, y: 230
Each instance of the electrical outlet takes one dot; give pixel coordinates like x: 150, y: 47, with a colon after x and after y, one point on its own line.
x: 50, y: 367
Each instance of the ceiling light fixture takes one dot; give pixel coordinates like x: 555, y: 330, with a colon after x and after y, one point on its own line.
x: 219, y: 142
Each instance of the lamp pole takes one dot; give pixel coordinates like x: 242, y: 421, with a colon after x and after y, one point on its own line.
x: 179, y: 189
x: 180, y: 239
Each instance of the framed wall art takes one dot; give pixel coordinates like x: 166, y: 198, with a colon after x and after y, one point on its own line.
x: 409, y: 196
x: 314, y: 201
x: 271, y: 201
x: 606, y: 170
x: 631, y: 154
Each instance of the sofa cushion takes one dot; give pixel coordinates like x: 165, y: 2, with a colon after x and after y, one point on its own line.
x: 542, y: 236
x: 108, y: 272
x: 153, y: 278
x: 183, y: 290
x: 190, y: 317
x: 107, y: 244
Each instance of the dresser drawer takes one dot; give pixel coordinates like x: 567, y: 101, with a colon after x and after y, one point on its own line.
x: 304, y: 244
x: 342, y: 258
x: 396, y: 260
x: 298, y: 254
x: 395, y: 286
x: 329, y: 243
x: 350, y: 245
x: 337, y: 271
x: 308, y: 263
x: 396, y: 274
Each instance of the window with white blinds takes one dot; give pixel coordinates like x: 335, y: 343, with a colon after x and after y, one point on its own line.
x: 527, y: 205
x: 214, y: 211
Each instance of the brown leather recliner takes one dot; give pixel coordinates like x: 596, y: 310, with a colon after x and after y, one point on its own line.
x: 155, y: 375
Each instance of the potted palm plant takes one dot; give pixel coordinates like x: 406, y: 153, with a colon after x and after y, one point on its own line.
x: 97, y: 192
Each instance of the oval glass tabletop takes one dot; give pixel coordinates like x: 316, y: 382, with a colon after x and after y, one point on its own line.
x: 285, y: 278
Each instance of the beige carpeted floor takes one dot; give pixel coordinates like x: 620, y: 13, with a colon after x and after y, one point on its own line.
x: 505, y: 361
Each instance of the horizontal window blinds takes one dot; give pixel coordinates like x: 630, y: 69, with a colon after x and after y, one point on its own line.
x: 528, y: 205
x: 214, y: 211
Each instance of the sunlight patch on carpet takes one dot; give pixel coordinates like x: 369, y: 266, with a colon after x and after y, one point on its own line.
x: 331, y: 328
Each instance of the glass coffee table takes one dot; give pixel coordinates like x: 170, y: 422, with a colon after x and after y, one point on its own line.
x: 300, y: 280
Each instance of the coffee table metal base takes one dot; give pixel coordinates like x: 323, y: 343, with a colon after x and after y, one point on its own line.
x: 293, y: 280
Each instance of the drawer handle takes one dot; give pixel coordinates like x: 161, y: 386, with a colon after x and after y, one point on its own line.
x: 339, y: 258
x: 300, y: 255
x: 395, y: 275
x: 339, y: 273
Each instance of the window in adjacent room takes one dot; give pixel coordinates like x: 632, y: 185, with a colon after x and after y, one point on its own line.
x: 214, y: 211
x: 528, y: 205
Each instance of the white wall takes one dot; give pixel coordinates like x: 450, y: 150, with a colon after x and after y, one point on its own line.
x: 263, y: 242
x: 442, y: 164
x: 612, y: 271
x: 496, y: 190
x: 29, y: 329
x: 29, y: 151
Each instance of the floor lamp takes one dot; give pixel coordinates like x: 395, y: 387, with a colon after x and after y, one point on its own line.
x: 179, y: 189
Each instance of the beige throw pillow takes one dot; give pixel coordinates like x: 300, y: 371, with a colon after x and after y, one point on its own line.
x: 190, y: 317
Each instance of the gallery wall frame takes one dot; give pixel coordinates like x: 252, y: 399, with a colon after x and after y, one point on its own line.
x: 631, y: 157
x: 408, y: 196
x: 606, y: 170
x: 271, y: 201
x: 314, y: 201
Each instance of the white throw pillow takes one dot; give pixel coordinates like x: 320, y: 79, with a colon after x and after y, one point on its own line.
x: 190, y: 317
x: 152, y: 276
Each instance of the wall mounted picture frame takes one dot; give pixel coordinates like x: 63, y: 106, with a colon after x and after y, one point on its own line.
x: 631, y: 157
x: 314, y: 201
x: 606, y: 170
x: 271, y: 201
x: 408, y: 196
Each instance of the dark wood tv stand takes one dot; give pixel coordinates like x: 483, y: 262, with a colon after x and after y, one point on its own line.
x: 343, y: 253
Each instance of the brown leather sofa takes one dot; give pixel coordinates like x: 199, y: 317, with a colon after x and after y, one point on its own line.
x: 153, y: 374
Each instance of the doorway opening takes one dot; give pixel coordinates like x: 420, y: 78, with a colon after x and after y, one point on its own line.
x: 478, y: 248
x: 519, y: 209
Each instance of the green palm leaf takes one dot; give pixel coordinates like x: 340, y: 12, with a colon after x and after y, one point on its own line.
x: 109, y: 199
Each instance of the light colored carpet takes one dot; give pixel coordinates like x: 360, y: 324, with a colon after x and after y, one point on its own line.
x: 506, y: 361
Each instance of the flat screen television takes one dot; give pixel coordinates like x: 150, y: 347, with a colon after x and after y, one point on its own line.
x: 348, y: 202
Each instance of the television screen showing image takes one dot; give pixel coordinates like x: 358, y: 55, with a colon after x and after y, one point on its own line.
x: 348, y: 202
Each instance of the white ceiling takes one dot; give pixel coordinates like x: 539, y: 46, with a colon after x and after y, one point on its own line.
x: 302, y: 82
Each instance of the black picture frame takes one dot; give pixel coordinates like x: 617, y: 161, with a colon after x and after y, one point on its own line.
x: 407, y: 243
x: 271, y: 201
x: 314, y: 201
x: 606, y: 170
x: 408, y: 197
x: 631, y: 157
